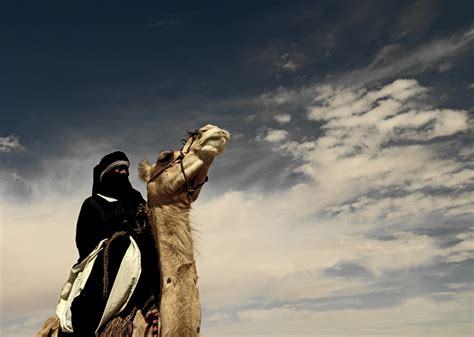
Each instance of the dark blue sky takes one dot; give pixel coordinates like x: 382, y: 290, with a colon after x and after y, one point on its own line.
x: 65, y: 63
x: 84, y: 69
x: 351, y: 126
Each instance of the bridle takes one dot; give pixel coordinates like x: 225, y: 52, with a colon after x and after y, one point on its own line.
x: 189, y: 189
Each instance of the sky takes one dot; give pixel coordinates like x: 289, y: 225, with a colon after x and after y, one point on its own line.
x: 343, y: 203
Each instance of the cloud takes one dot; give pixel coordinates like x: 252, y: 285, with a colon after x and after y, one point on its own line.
x: 331, y: 103
x: 24, y: 326
x: 290, y: 65
x: 10, y: 143
x: 44, y: 223
x: 280, y: 262
x: 274, y: 136
x: 417, y: 316
x: 412, y: 205
x: 289, y: 61
x: 43, y: 218
x: 392, y: 60
x: 379, y: 136
x: 249, y: 118
x: 384, y: 161
x: 282, y: 118
x: 443, y: 67
x: 372, y: 160
x: 279, y: 96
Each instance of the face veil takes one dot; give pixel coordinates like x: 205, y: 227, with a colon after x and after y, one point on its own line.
x: 110, y: 183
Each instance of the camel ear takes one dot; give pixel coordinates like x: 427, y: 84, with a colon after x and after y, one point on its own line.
x: 145, y: 169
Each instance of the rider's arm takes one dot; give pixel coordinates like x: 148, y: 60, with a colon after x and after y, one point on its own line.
x: 89, y: 229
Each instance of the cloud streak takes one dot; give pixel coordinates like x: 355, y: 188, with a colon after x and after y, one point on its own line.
x: 10, y: 143
x: 392, y: 60
x: 382, y: 136
x: 386, y: 172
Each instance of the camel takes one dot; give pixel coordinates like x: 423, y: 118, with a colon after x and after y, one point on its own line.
x: 173, y: 183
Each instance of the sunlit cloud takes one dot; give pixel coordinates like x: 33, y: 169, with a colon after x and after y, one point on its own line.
x: 272, y: 135
x: 283, y: 118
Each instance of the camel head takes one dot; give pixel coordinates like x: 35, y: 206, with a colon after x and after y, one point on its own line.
x: 179, y: 175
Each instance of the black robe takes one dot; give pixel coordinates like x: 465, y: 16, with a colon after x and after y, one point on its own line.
x: 99, y: 219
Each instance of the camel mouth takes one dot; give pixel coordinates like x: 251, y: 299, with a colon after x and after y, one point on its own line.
x: 213, y: 140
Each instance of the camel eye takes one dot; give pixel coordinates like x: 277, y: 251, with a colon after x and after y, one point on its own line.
x: 165, y: 156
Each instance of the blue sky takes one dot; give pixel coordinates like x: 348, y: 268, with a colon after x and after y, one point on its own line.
x: 343, y: 202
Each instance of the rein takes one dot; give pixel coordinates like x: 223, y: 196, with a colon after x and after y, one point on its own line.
x: 189, y: 189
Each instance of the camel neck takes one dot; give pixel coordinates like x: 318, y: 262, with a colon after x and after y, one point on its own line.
x: 174, y: 234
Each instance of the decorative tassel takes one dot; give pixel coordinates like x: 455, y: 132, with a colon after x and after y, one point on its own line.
x: 153, y: 318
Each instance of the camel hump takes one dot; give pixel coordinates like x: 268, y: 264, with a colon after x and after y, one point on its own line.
x: 145, y: 169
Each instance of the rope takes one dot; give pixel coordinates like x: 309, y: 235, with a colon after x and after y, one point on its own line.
x: 127, y: 328
x: 105, y: 290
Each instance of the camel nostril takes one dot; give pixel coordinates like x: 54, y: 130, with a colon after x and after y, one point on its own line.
x: 168, y: 280
x: 198, y: 329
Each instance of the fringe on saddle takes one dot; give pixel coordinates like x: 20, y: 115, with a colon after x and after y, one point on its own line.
x: 120, y: 326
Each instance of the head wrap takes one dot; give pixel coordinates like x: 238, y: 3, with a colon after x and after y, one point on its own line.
x: 109, y: 183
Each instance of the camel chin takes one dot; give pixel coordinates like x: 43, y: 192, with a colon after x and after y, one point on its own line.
x: 212, y: 141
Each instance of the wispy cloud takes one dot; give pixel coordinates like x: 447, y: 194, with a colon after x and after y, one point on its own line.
x: 272, y: 135
x: 282, y: 118
x: 43, y: 220
x: 10, y: 143
x: 380, y: 136
x: 413, y: 317
x: 289, y: 61
x: 289, y: 263
x: 249, y: 118
x: 395, y: 59
x: 374, y: 176
x: 390, y: 62
x: 24, y: 326
x: 280, y: 96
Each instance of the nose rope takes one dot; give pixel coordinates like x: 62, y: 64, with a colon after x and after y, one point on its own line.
x: 189, y: 189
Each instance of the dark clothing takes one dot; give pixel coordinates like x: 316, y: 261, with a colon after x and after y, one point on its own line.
x: 100, y: 219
